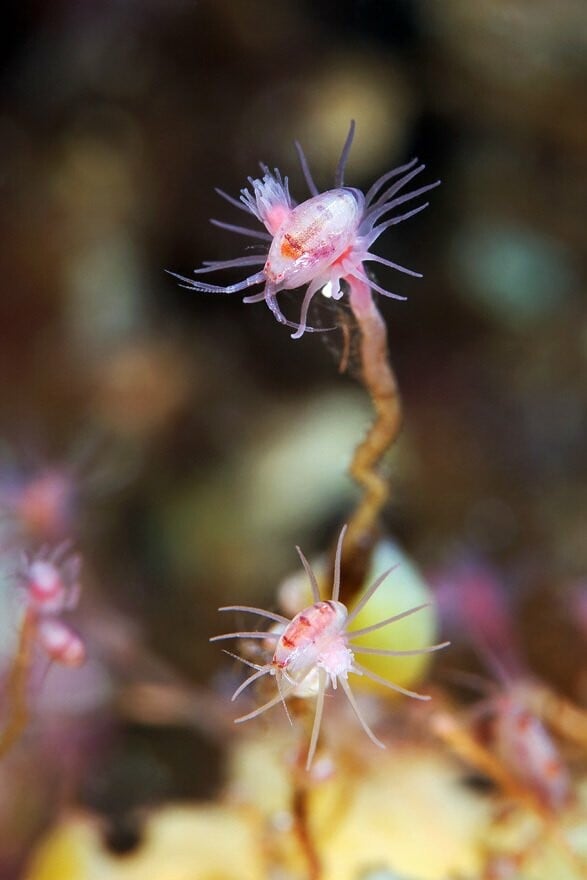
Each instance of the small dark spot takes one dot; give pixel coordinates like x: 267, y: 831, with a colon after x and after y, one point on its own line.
x: 123, y: 835
x: 479, y: 783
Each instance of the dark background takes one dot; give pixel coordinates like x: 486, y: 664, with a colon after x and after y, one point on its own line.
x: 201, y: 442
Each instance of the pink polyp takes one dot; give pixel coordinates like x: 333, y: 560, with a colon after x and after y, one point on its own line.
x: 275, y: 217
x: 46, y: 589
x: 51, y: 580
x: 315, y: 235
x: 61, y: 643
x: 321, y: 240
x: 269, y: 201
x: 317, y: 644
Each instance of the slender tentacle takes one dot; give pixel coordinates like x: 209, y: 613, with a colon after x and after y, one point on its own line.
x: 375, y: 258
x: 361, y: 277
x: 387, y: 194
x: 339, y: 175
x: 389, y: 175
x: 311, y: 575
x: 302, y: 326
x: 372, y: 232
x: 370, y: 592
x: 255, y: 297
x: 241, y: 230
x: 351, y: 698
x: 235, y: 202
x: 270, y: 298
x: 362, y: 670
x: 268, y: 705
x: 383, y: 652
x: 243, y: 660
x: 255, y: 634
x: 376, y: 212
x: 367, y: 629
x: 337, y: 559
x: 258, y: 278
x: 282, y: 695
x: 306, y: 169
x: 270, y: 614
x: 322, y: 682
x: 237, y: 263
x: 259, y: 674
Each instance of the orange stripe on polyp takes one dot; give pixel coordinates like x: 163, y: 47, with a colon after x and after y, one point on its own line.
x: 290, y: 248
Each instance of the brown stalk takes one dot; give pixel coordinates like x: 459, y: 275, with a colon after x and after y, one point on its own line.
x: 379, y: 380
x: 16, y: 689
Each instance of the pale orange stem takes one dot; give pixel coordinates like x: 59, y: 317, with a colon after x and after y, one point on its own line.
x: 17, y: 687
x: 379, y: 380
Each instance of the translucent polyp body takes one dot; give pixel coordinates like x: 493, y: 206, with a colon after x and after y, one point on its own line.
x: 313, y: 236
x: 45, y: 585
x: 309, y: 636
x: 316, y: 649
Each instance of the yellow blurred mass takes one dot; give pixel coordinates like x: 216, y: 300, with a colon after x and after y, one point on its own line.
x: 402, y: 589
x: 181, y: 843
x: 405, y: 810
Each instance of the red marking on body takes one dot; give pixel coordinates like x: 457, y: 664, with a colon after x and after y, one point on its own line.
x: 523, y: 722
x: 552, y: 768
x: 290, y: 247
x: 294, y: 246
x: 308, y: 626
x: 339, y: 260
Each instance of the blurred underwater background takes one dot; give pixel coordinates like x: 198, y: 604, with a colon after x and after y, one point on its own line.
x: 184, y: 444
